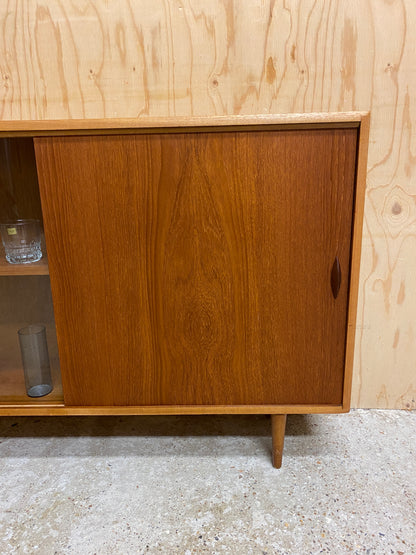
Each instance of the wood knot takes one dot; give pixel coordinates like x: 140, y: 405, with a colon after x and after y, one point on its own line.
x: 396, y: 208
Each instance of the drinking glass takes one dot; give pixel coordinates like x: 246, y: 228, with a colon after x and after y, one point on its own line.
x: 35, y: 358
x: 21, y: 241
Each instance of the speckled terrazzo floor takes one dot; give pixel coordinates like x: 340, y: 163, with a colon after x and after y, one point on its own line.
x: 206, y: 485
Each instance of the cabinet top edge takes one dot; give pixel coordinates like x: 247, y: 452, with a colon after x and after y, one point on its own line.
x: 35, y: 128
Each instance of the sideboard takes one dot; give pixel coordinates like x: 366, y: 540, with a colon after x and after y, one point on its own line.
x: 191, y: 265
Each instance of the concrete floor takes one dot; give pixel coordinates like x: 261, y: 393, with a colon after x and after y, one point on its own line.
x: 206, y: 485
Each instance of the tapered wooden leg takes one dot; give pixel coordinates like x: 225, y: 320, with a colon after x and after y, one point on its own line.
x: 278, y: 438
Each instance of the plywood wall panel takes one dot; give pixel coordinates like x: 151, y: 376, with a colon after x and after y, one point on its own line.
x: 93, y: 59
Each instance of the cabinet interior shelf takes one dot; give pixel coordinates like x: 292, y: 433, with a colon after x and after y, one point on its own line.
x: 34, y: 269
x: 13, y: 390
x: 12, y: 381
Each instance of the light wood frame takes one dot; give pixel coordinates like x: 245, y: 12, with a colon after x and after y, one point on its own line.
x: 259, y: 122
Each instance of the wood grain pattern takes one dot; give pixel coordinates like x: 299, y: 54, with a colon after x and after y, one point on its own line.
x: 134, y: 59
x: 278, y: 438
x: 173, y: 124
x: 58, y: 409
x: 177, y: 262
x: 360, y: 184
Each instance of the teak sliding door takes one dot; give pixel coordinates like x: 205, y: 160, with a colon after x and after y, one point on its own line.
x: 200, y: 268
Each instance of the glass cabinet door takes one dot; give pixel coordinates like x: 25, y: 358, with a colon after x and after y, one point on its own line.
x: 25, y: 293
x: 25, y: 301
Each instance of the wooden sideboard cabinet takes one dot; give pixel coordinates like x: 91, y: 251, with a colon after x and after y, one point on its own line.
x: 196, y: 266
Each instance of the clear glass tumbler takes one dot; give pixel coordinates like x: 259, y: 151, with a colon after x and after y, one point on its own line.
x: 35, y: 358
x: 21, y: 241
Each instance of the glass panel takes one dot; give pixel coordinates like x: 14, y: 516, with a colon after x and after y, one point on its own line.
x: 25, y: 295
x: 25, y: 301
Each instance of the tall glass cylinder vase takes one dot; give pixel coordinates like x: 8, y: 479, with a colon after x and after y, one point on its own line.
x: 35, y: 359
